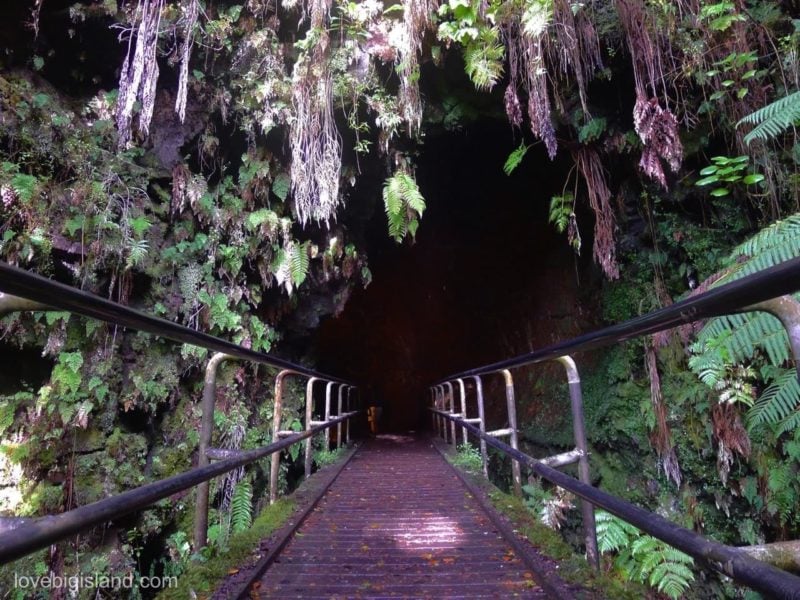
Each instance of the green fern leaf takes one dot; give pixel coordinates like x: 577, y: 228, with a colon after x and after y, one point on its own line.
x: 515, y: 158
x: 613, y: 533
x: 773, y: 119
x: 778, y: 405
x: 298, y: 263
x: 483, y: 60
x: 242, y: 507
x: 403, y: 204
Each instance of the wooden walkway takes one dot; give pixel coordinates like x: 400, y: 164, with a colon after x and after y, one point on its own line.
x: 398, y: 522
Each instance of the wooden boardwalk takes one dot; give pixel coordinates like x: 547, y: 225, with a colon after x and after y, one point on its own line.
x: 398, y: 522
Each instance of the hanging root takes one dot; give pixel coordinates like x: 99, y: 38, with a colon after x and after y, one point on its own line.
x: 604, y: 247
x: 190, y: 20
x: 139, y: 73
x: 661, y: 437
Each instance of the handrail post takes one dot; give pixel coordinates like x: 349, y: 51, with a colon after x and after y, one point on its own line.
x: 436, y: 405
x: 277, y: 410
x: 328, y: 389
x: 452, y: 412
x: 442, y: 420
x: 433, y: 406
x: 309, y: 417
x: 482, y: 424
x: 349, y: 408
x: 579, y: 429
x: 206, y: 429
x: 511, y: 407
x: 463, y: 408
x: 339, y: 414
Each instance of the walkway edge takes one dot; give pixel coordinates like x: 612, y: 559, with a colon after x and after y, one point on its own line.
x: 554, y: 587
x: 239, y: 588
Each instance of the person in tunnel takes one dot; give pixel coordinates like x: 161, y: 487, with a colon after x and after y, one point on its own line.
x: 374, y: 413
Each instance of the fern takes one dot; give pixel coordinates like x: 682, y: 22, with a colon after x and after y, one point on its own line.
x: 24, y: 186
x: 403, y: 204
x: 560, y: 211
x: 515, y: 158
x: 483, y: 60
x: 778, y: 405
x: 242, y: 507
x: 613, y: 534
x: 644, y: 558
x: 137, y: 252
x: 773, y: 119
x: 298, y: 263
x: 728, y: 341
x: 291, y: 264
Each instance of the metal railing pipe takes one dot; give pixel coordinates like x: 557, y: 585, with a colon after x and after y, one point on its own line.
x: 729, y: 561
x: 43, y: 532
x: 735, y: 296
x: 339, y: 405
x: 482, y: 425
x: 309, y: 417
x: 450, y: 397
x: 326, y: 418
x: 25, y: 284
x: 206, y: 429
x: 277, y: 417
x: 511, y: 408
x: 579, y: 431
x: 463, y: 392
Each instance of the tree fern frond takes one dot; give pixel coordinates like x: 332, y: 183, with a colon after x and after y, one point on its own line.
x: 778, y: 405
x: 770, y: 246
x: 773, y: 119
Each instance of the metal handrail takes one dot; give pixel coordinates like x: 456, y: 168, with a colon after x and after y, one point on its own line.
x: 767, y: 291
x: 42, y: 532
x: 738, y: 296
x: 727, y: 560
x: 39, y: 293
x: 25, y: 284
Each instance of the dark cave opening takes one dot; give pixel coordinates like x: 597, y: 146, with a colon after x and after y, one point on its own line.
x: 488, y: 277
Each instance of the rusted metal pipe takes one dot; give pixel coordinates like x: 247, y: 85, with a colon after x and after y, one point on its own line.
x: 562, y: 460
x: 339, y: 414
x: 579, y: 431
x: 10, y: 304
x: 451, y: 398
x: 46, y: 531
x: 277, y: 415
x: 309, y: 419
x: 511, y: 408
x: 787, y: 310
x: 463, y: 408
x: 206, y: 429
x: 328, y: 389
x: 482, y: 425
x: 350, y: 388
x: 731, y: 562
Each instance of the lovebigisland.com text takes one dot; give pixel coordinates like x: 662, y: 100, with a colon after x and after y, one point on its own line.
x: 97, y: 581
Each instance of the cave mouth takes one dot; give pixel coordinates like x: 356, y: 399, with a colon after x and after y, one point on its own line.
x: 487, y: 277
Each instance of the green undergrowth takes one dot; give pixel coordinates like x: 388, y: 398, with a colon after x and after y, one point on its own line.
x: 573, y: 567
x: 200, y: 578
